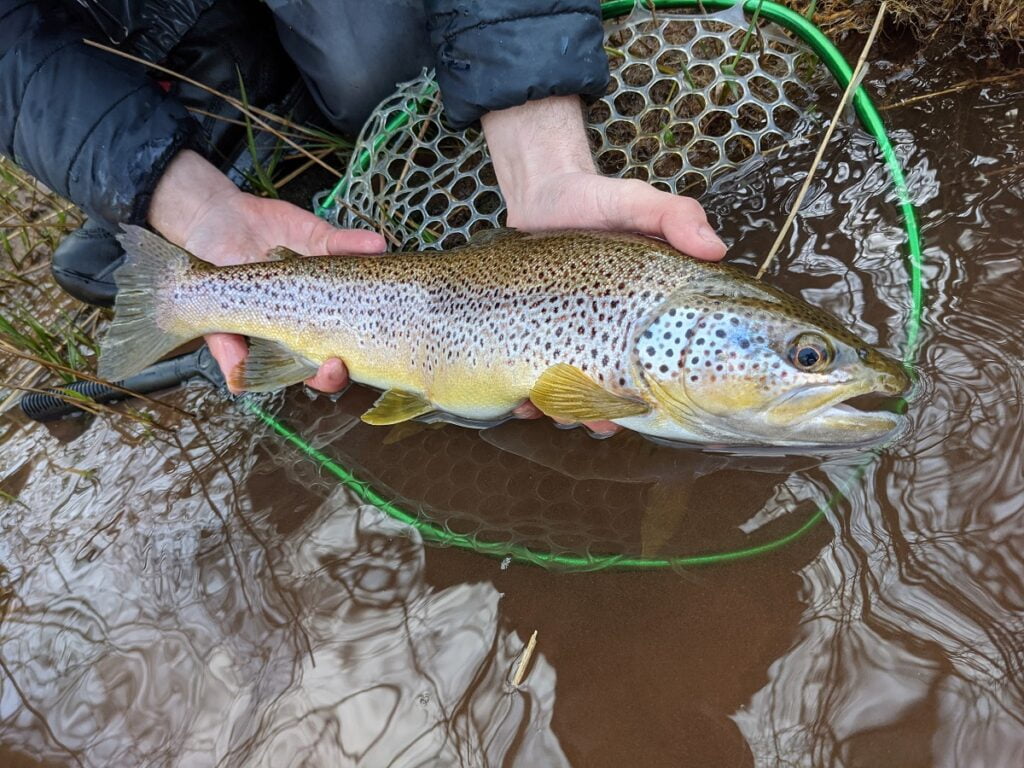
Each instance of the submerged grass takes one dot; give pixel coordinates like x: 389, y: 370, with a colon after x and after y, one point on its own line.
x: 36, y: 317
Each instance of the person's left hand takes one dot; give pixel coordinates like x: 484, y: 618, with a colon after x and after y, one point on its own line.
x: 547, y: 176
x: 199, y: 208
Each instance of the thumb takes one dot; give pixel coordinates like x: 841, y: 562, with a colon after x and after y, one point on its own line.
x: 679, y: 220
x: 321, y: 237
x: 339, y: 241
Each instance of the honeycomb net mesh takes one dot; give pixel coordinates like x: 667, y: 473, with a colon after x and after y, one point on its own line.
x: 691, y: 98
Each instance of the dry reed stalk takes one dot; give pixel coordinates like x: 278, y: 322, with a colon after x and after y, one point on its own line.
x: 524, y: 661
x: 847, y: 94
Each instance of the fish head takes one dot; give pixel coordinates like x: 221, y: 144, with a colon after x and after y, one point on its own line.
x: 748, y: 364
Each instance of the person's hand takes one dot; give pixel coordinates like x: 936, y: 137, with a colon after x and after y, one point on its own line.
x: 197, y: 207
x: 547, y: 176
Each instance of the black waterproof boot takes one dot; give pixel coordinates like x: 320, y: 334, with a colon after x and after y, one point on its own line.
x: 84, y: 264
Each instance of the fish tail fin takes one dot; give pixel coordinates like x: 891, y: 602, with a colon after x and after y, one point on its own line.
x: 139, y: 334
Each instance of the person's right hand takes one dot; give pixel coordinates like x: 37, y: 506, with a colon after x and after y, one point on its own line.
x: 200, y: 209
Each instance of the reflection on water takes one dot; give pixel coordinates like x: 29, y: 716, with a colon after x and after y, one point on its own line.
x: 161, y: 634
x: 196, y: 597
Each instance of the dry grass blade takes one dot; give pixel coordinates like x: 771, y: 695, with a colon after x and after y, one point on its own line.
x: 524, y: 661
x: 258, y: 116
x: 847, y: 95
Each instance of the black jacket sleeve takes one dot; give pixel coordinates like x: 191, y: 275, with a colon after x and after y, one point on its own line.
x: 493, y: 54
x: 91, y: 126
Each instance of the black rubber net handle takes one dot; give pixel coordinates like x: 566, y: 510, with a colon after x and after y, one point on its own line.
x: 53, y: 404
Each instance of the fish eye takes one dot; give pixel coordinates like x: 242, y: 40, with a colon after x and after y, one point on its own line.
x: 810, y: 352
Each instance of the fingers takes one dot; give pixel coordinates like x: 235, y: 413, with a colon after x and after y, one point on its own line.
x: 332, y: 376
x: 281, y: 223
x: 229, y: 351
x: 527, y: 411
x: 633, y: 205
x: 601, y: 428
x: 339, y: 241
x: 324, y: 238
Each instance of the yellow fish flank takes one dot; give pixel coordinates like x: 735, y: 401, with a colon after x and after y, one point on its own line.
x: 587, y: 325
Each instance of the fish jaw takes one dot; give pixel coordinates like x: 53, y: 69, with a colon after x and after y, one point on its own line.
x: 821, y: 416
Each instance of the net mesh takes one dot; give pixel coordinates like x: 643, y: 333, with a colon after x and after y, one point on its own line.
x: 691, y: 98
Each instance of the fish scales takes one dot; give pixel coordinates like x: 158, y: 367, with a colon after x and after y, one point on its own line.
x: 589, y: 326
x: 494, y: 315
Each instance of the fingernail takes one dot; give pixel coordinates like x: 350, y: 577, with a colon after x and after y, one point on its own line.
x: 707, y: 234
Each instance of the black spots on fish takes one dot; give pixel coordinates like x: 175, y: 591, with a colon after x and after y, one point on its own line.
x: 650, y: 351
x: 700, y: 341
x: 744, y: 343
x: 671, y: 312
x: 718, y: 367
x: 648, y: 366
x: 669, y: 353
x: 694, y: 360
x: 734, y: 320
x: 720, y: 333
x: 648, y: 334
x: 689, y: 333
x: 693, y: 378
x: 558, y: 331
x: 663, y: 368
x: 718, y: 316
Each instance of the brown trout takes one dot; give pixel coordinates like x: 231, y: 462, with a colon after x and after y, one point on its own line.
x: 587, y: 325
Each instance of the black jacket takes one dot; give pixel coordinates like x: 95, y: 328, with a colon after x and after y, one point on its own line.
x: 99, y: 130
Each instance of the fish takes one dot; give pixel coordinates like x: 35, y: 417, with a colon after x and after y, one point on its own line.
x: 587, y: 325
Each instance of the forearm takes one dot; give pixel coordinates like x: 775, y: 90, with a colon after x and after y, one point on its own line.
x: 537, y: 139
x: 186, y: 189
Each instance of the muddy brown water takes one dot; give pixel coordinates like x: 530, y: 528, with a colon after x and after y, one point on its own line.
x: 206, y: 596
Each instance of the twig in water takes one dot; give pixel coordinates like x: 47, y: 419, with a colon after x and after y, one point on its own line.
x: 524, y: 662
x: 847, y: 94
x: 957, y: 87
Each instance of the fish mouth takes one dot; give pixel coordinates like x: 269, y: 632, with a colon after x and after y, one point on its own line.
x: 863, y: 413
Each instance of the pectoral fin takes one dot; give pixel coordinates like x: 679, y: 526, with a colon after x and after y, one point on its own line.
x: 395, y: 406
x: 271, y: 366
x: 565, y: 392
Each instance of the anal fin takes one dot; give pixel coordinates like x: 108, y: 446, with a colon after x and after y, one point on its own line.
x: 271, y: 366
x: 565, y: 392
x: 396, y: 406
